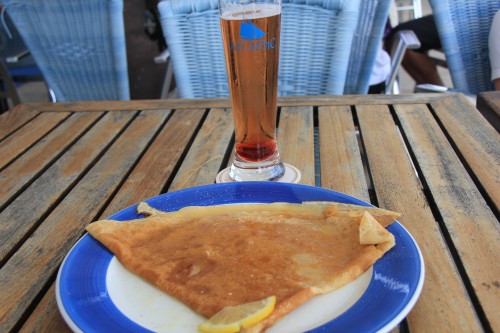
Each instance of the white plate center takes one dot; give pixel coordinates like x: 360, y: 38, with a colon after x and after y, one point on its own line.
x: 157, y: 311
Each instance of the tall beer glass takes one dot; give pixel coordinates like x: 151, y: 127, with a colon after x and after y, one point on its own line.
x: 251, y: 36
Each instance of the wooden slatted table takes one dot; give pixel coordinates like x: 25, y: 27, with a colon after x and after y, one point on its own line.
x: 433, y: 158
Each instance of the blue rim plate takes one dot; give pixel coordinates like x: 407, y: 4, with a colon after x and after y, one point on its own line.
x: 395, y: 284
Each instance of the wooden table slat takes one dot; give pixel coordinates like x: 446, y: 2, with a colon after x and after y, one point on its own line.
x: 473, y: 229
x: 341, y: 163
x: 296, y: 140
x: 153, y: 170
x: 27, y: 135
x: 477, y: 141
x: 205, y: 158
x: 488, y: 103
x: 397, y: 188
x: 25, y: 211
x: 46, y: 316
x: 11, y: 121
x: 216, y: 103
x: 18, y: 174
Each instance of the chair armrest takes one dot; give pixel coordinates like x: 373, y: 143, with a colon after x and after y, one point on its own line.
x: 16, y: 57
x: 162, y: 57
x: 427, y: 87
x: 402, y: 40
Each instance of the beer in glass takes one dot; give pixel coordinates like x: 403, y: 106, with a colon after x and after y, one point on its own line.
x: 251, y: 36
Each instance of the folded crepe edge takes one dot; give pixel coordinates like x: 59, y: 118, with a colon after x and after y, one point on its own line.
x: 383, y: 216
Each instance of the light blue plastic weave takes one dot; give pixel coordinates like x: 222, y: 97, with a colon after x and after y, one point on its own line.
x: 316, y: 38
x: 464, y: 27
x: 79, y: 45
x: 365, y: 45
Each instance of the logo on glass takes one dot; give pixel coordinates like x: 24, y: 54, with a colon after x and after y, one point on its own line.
x: 249, y: 31
x: 252, y: 39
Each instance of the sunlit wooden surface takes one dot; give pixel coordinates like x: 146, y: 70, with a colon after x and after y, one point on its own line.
x: 434, y: 158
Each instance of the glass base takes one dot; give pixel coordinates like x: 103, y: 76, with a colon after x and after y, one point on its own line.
x: 291, y: 175
x: 270, y: 169
x: 257, y: 174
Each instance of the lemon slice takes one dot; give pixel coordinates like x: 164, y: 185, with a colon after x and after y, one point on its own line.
x: 232, y: 318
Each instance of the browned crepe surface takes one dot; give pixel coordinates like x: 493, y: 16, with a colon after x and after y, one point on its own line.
x: 213, y: 257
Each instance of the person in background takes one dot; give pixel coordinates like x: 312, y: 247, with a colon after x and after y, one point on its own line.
x: 382, y: 66
x: 494, y: 50
x: 416, y: 62
x: 380, y: 71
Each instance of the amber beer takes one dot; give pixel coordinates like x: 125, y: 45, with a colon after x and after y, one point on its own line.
x: 251, y: 44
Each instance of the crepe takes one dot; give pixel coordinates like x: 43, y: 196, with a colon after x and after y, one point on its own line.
x: 218, y: 256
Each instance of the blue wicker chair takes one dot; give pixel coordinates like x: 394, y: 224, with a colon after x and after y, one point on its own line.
x: 78, y: 45
x: 316, y: 39
x: 367, y: 40
x: 463, y: 27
